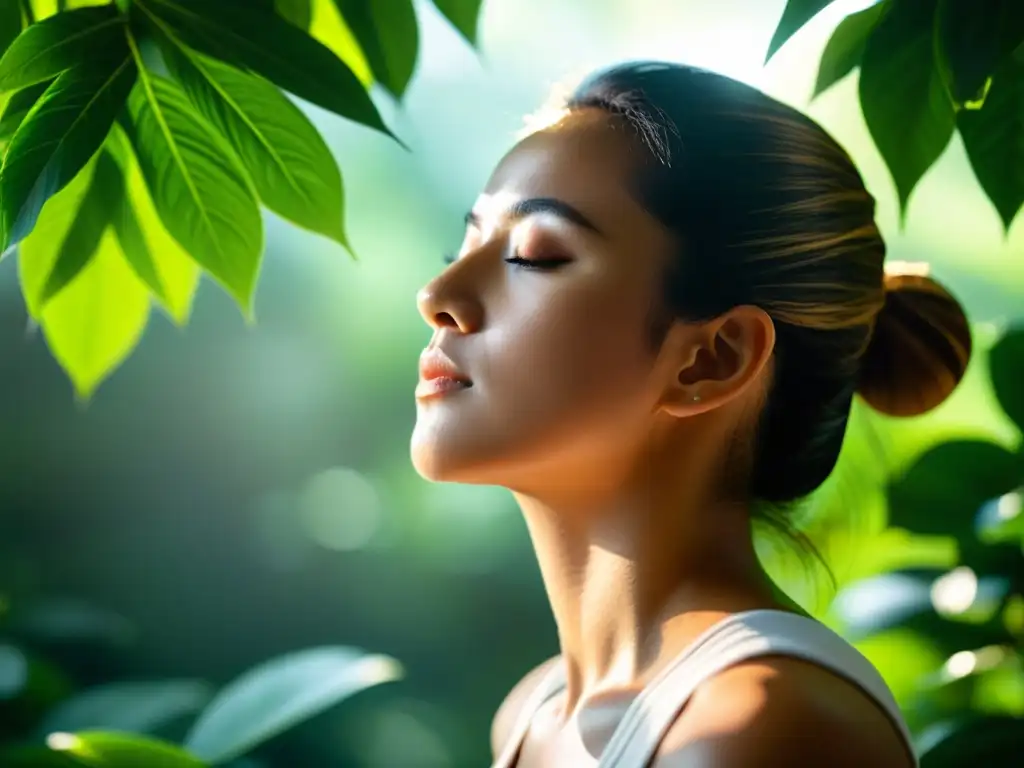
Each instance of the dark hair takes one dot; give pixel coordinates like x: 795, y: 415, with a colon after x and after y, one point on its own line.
x: 770, y: 211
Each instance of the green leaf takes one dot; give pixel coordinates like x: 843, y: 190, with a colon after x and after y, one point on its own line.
x: 943, y: 490
x: 971, y: 38
x: 845, y: 48
x: 98, y: 749
x: 297, y: 12
x: 93, y: 325
x: 290, y: 164
x: 464, y: 15
x: 177, y: 274
x: 86, y: 230
x: 57, y: 138
x: 281, y: 693
x: 905, y: 104
x: 49, y: 47
x: 10, y: 23
x: 233, y: 31
x: 130, y: 707
x: 796, y: 14
x: 994, y: 140
x: 978, y: 740
x: 198, y: 186
x: 17, y: 107
x: 1006, y: 366
x: 389, y: 37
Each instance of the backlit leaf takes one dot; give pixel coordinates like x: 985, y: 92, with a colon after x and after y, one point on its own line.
x: 845, y: 48
x: 796, y: 14
x: 234, y: 31
x: 994, y: 140
x: 57, y: 138
x: 177, y: 273
x: 905, y: 104
x: 329, y: 28
x: 293, y: 170
x: 464, y: 15
x: 97, y: 749
x: 97, y: 320
x: 198, y: 186
x: 389, y: 37
x: 298, y: 12
x: 281, y: 693
x: 51, y: 46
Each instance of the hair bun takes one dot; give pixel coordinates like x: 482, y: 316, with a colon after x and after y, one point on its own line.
x: 920, y: 346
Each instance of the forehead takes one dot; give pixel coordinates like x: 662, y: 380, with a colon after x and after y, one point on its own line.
x: 588, y: 161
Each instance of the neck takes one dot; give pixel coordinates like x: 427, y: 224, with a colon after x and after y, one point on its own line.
x: 637, y: 571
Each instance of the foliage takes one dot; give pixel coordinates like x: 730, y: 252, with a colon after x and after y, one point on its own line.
x: 973, y: 615
x: 138, y: 140
x: 929, y: 68
x: 117, y: 725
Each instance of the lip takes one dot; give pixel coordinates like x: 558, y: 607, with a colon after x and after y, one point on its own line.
x: 439, y: 375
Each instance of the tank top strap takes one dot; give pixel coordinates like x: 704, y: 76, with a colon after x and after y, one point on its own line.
x: 550, y: 684
x: 735, y: 639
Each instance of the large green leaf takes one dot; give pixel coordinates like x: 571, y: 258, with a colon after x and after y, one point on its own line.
x: 98, y: 319
x: 17, y: 108
x: 796, y: 14
x: 57, y: 138
x: 994, y: 139
x: 129, y: 707
x: 980, y: 741
x: 464, y: 15
x: 10, y: 23
x: 1006, y: 364
x: 281, y: 693
x: 905, y: 104
x: 98, y: 749
x: 176, y: 273
x: 943, y: 490
x: 198, y: 186
x: 260, y: 40
x: 389, y: 36
x: 845, y: 48
x: 83, y: 237
x: 290, y: 164
x: 51, y: 46
x: 971, y: 39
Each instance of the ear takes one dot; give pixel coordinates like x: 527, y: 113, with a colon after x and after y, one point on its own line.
x: 718, y: 361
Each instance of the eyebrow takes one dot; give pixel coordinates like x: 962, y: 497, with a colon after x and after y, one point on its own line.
x: 523, y: 208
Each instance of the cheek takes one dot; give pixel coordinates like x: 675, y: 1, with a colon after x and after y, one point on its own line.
x: 555, y: 370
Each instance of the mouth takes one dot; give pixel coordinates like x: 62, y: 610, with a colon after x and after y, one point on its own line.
x: 439, y: 376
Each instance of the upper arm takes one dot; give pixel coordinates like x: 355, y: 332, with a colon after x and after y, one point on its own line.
x: 507, y: 714
x: 783, y: 712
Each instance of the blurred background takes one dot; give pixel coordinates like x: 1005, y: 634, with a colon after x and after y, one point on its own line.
x: 239, y: 491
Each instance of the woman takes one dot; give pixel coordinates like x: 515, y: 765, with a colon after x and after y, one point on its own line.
x: 666, y: 299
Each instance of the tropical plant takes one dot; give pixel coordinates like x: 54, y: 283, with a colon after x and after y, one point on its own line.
x: 120, y: 724
x: 971, y: 707
x: 140, y: 137
x: 929, y: 68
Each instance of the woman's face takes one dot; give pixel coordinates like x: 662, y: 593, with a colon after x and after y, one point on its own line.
x: 557, y: 346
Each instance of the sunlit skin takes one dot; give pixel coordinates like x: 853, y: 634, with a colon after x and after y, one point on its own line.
x: 615, y: 449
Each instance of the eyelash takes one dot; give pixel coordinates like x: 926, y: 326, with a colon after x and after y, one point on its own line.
x: 547, y: 264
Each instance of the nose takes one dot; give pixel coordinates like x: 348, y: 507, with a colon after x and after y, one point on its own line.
x: 445, y: 304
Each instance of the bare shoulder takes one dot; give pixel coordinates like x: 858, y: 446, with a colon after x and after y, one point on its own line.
x: 507, y: 714
x: 781, y: 711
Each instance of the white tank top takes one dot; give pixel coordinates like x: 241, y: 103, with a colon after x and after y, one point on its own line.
x: 737, y: 638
